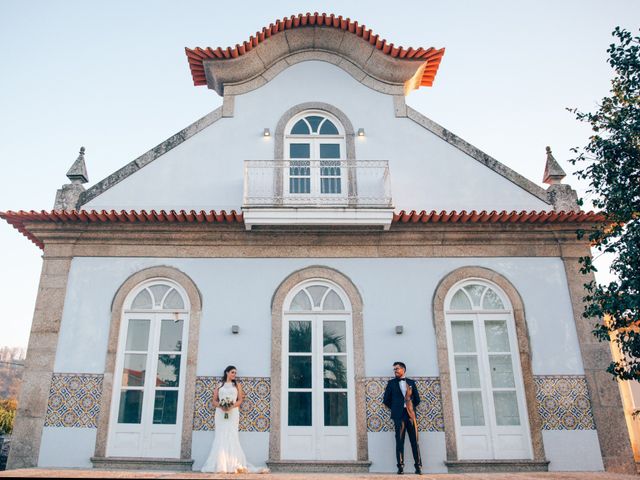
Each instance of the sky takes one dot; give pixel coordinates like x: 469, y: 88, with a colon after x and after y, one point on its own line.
x: 113, y: 77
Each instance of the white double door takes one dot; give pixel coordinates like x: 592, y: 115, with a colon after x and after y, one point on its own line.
x: 318, y: 404
x: 489, y: 404
x: 148, y: 389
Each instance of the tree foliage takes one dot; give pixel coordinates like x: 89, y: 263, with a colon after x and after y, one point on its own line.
x: 610, y: 162
x: 7, y: 415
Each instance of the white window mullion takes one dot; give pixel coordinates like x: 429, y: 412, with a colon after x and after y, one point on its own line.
x: 518, y: 380
x: 315, y: 168
x: 315, y: 403
x: 351, y: 417
x: 184, y: 348
x: 284, y: 387
x: 149, y: 384
x: 487, y: 386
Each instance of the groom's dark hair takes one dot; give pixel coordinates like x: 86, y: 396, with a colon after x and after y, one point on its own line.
x: 400, y: 364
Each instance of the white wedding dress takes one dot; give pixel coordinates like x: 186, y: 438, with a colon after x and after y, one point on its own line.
x: 226, y: 453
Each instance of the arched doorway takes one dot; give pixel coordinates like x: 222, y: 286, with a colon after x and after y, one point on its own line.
x: 488, y: 396
x: 148, y: 398
x: 318, y: 382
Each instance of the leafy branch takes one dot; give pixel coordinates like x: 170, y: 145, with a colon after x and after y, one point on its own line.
x: 611, y: 164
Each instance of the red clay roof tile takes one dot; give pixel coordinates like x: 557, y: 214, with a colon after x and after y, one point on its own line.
x: 431, y: 56
x: 18, y: 219
x: 494, y: 217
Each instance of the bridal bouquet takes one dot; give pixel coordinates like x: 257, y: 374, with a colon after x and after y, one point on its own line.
x: 226, y: 402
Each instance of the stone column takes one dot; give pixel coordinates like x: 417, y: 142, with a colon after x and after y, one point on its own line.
x: 608, y: 412
x: 41, y: 354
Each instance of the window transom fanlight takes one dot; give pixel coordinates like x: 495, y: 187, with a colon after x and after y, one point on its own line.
x: 314, y: 125
x: 159, y: 296
x: 316, y: 298
x: 475, y: 296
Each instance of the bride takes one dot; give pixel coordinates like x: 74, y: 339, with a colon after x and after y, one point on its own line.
x: 226, y: 453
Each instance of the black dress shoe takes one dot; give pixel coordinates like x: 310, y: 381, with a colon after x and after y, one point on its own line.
x: 418, y: 471
x: 400, y: 470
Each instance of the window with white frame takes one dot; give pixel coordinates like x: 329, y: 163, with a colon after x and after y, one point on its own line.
x: 318, y: 404
x: 486, y: 381
x: 314, y: 147
x: 149, y: 387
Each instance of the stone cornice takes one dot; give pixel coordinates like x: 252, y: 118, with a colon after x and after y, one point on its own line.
x: 232, y: 240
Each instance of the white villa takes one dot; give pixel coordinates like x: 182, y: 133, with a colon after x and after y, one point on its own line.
x: 311, y: 231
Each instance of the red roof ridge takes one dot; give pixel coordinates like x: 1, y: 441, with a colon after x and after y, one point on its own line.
x: 431, y: 56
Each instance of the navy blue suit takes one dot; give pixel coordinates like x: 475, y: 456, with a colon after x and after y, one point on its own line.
x: 394, y: 399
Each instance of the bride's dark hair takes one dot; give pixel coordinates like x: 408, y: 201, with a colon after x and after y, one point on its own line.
x: 224, y: 375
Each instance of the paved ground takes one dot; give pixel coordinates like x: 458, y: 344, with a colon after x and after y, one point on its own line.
x: 73, y: 473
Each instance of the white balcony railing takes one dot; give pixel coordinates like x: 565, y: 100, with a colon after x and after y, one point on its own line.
x: 317, y: 183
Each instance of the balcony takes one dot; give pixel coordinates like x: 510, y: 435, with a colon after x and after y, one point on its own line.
x: 317, y: 192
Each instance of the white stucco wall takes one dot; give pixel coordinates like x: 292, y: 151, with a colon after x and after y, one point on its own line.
x: 395, y: 291
x: 206, y: 171
x: 67, y: 447
x: 382, y: 452
x: 573, y: 450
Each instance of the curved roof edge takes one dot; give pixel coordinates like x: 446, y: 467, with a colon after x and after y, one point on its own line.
x: 408, y: 68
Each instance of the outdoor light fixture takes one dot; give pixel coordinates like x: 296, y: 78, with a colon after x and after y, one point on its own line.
x: 361, y: 132
x: 399, y: 329
x: 235, y: 329
x: 267, y: 132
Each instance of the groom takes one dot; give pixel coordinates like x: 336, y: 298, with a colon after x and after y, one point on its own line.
x: 395, y: 399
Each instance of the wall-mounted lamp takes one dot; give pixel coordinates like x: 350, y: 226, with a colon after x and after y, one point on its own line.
x: 361, y: 132
x: 266, y: 133
x: 235, y: 329
x: 399, y: 329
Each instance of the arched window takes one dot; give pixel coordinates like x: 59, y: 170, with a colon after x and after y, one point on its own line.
x: 158, y: 296
x: 148, y: 395
x: 486, y: 380
x: 314, y: 148
x: 316, y: 298
x: 476, y: 296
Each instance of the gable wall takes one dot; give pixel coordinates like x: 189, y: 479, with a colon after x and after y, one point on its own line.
x: 206, y: 171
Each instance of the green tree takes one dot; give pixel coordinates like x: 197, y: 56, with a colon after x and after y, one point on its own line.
x: 611, y: 164
x: 7, y: 415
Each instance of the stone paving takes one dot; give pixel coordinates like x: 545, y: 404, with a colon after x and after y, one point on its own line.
x: 90, y: 473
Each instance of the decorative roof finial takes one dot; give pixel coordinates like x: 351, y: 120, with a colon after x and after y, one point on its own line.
x: 78, y: 171
x: 553, y: 172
